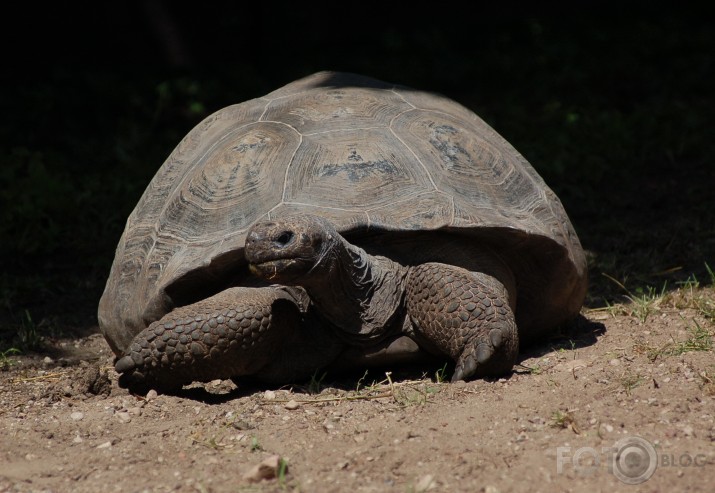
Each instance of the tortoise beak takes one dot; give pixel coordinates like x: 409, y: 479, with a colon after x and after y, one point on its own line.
x: 286, y: 250
x: 271, y: 270
x: 268, y: 241
x: 274, y: 252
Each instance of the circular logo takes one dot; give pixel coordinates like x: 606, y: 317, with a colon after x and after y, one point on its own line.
x: 635, y: 460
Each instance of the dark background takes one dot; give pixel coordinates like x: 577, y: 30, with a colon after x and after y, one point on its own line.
x: 612, y: 102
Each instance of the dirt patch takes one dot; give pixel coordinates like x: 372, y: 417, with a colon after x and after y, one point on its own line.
x: 551, y: 426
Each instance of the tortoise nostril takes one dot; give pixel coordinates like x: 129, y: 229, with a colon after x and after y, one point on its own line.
x: 284, y: 238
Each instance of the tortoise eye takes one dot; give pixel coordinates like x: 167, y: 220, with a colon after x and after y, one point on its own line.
x: 284, y: 238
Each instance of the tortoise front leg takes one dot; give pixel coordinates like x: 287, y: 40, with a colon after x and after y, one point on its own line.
x: 240, y: 331
x: 465, y: 315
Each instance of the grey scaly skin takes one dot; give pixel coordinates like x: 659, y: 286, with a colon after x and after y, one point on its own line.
x: 240, y: 331
x: 451, y: 311
x: 354, y: 300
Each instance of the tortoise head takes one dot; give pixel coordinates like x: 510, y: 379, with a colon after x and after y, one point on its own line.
x: 289, y: 250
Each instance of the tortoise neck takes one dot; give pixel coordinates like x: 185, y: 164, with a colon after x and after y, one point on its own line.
x: 357, y: 292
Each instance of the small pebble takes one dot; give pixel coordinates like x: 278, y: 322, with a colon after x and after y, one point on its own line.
x: 104, y: 445
x: 267, y: 469
x: 425, y: 483
x: 77, y: 439
x: 291, y: 405
x: 77, y: 415
x: 123, y: 416
x: 269, y: 395
x: 151, y: 395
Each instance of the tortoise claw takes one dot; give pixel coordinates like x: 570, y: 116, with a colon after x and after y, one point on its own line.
x: 465, y: 369
x: 490, y: 354
x: 484, y: 353
x: 125, y: 365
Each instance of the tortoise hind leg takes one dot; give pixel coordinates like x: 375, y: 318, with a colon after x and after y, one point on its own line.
x: 465, y: 315
x: 240, y: 331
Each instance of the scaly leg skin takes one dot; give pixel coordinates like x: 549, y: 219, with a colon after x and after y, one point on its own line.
x: 231, y: 334
x: 465, y: 315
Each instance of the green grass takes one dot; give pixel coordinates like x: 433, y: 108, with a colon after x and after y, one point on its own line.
x: 282, y: 472
x: 691, y: 294
x: 630, y: 381
x: 532, y: 370
x: 641, y: 303
x: 316, y: 383
x: 564, y: 419
x: 699, y: 339
x: 440, y: 375
x: 5, y: 361
x: 28, y: 335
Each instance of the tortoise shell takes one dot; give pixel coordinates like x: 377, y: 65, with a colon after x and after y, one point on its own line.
x: 375, y: 159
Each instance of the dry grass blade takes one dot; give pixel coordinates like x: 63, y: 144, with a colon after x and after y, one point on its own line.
x: 47, y: 376
x: 384, y: 389
x: 329, y: 399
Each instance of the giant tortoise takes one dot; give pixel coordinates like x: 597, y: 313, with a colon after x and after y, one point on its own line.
x: 338, y: 222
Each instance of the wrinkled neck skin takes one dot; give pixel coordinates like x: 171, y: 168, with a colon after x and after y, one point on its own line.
x: 359, y: 293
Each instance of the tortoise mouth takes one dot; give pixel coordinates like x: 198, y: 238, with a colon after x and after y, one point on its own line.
x: 280, y: 270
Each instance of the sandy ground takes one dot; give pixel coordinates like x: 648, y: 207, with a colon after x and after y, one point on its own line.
x: 616, y: 400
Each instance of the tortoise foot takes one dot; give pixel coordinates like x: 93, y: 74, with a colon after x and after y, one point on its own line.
x: 229, y: 334
x: 465, y: 315
x: 491, y: 353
